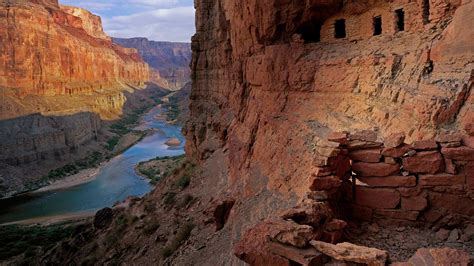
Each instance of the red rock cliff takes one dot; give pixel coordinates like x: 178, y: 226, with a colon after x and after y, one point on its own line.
x: 169, y: 61
x: 273, y: 78
x: 53, y: 50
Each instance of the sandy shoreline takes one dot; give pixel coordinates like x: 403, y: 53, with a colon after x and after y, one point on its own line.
x: 84, y: 176
x: 54, y: 219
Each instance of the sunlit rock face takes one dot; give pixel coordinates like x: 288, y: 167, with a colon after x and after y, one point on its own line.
x: 60, y: 77
x: 48, y: 50
x: 169, y: 61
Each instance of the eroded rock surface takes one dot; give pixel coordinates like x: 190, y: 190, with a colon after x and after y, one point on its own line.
x: 169, y: 61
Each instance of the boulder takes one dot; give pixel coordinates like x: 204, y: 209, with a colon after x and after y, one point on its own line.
x: 397, y: 152
x: 103, y: 218
x: 389, y: 181
x: 422, y: 145
x: 378, y: 198
x: 441, y: 180
x: 347, y: 252
x: 462, y: 153
x: 426, y: 162
x: 418, y: 203
x: 394, y: 140
x: 375, y: 169
x: 306, y: 257
x: 438, y: 256
x: 367, y: 155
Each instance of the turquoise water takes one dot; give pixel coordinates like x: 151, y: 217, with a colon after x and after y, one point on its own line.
x: 116, y: 180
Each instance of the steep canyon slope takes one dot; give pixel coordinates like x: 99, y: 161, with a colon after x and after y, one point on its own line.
x: 169, y: 61
x: 60, y: 77
x: 289, y: 98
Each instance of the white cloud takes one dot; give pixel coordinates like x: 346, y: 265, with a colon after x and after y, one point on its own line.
x: 161, y: 20
x: 171, y: 24
x: 159, y: 3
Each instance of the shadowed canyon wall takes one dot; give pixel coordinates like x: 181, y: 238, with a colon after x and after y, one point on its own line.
x: 273, y: 78
x: 169, y: 61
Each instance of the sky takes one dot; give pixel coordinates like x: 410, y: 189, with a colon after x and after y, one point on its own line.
x: 158, y: 20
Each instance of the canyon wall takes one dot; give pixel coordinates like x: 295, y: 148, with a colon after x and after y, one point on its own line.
x: 51, y: 50
x: 272, y: 79
x: 169, y: 61
x: 60, y: 76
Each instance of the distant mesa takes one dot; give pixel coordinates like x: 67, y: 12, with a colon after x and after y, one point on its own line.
x: 168, y: 61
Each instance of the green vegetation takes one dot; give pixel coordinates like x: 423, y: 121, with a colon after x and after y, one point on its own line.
x: 111, y: 143
x: 151, y: 227
x: 184, y: 181
x: 16, y: 240
x: 90, y: 161
x: 185, y: 201
x: 122, y: 126
x: 173, y: 108
x: 159, y: 167
x: 183, y: 234
x: 170, y: 198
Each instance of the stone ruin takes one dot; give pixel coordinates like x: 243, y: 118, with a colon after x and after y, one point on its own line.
x: 358, y: 178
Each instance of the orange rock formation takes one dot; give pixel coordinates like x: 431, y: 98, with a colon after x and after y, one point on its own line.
x: 52, y: 50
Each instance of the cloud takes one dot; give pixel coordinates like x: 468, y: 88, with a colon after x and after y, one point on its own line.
x: 160, y: 20
x: 172, y: 24
x: 159, y: 3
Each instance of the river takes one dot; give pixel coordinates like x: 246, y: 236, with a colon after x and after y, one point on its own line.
x: 115, y: 181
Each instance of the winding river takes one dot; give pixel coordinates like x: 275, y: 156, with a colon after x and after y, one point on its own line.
x: 115, y: 181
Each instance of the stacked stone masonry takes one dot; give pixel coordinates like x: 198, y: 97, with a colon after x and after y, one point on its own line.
x: 425, y: 182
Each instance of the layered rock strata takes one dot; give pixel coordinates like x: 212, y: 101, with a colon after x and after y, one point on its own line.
x: 52, y: 50
x: 60, y: 75
x: 169, y: 61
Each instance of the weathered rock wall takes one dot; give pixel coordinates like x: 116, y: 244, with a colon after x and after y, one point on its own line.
x: 169, y: 61
x: 50, y: 50
x: 266, y: 93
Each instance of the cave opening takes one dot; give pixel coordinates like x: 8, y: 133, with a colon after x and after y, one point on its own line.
x: 340, y: 29
x: 400, y: 19
x: 310, y: 32
x: 377, y: 24
x: 426, y: 11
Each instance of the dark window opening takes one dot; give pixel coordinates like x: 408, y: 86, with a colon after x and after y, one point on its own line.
x: 400, y: 19
x: 377, y: 25
x: 340, y: 29
x: 426, y: 11
x: 310, y: 32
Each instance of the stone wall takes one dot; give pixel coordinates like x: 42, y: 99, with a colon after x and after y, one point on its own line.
x: 428, y: 181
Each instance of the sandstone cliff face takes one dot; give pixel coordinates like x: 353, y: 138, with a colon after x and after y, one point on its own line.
x: 169, y: 61
x: 50, y: 50
x: 271, y: 81
x: 60, y: 75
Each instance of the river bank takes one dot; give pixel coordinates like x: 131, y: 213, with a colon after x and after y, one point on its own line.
x: 102, y: 186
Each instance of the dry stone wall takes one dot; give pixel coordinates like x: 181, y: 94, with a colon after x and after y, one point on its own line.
x: 425, y: 182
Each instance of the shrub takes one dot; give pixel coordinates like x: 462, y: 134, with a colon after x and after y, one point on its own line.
x: 15, y: 240
x: 185, y: 201
x: 151, y: 227
x: 183, y: 234
x: 111, y: 143
x: 170, y: 198
x: 184, y: 181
